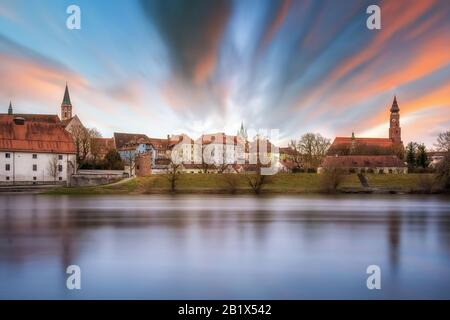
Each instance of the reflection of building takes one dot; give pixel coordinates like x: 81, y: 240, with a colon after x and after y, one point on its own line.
x: 378, y: 155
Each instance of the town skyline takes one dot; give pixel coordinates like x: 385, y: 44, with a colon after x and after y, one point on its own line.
x: 295, y: 66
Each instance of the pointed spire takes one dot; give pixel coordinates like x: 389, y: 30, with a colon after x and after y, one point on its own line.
x: 353, y: 135
x: 66, y: 99
x: 10, y: 109
x: 395, y: 107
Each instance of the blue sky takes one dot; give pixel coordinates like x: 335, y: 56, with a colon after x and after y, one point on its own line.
x: 173, y: 66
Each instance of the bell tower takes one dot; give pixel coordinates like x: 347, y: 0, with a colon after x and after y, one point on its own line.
x: 395, y: 132
x: 66, y: 106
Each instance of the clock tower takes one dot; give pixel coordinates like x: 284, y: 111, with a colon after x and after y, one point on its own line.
x: 394, y: 126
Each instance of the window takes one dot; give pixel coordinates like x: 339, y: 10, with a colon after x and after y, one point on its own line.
x: 60, y: 157
x: 34, y: 167
x: 60, y: 168
x: 34, y: 156
x: 34, y: 178
x: 7, y: 155
x: 7, y: 178
x: 7, y: 167
x: 60, y: 178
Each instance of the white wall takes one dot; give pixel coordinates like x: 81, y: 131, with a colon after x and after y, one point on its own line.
x: 21, y: 167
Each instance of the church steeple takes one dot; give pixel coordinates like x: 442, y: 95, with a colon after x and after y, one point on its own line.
x: 242, y: 132
x: 10, y: 109
x: 395, y: 133
x: 395, y: 107
x: 66, y: 106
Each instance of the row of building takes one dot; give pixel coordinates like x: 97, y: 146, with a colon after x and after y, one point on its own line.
x: 40, y: 148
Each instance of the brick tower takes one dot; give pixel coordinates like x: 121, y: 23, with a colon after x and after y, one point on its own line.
x: 395, y: 132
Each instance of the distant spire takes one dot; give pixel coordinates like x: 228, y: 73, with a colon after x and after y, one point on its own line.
x: 66, y: 99
x: 353, y: 135
x: 395, y: 107
x: 10, y: 110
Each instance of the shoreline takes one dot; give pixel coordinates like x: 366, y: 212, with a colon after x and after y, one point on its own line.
x: 215, y: 184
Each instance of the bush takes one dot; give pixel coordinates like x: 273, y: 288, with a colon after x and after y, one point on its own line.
x: 443, y: 171
x: 331, y: 179
x: 232, y: 181
x: 426, y: 183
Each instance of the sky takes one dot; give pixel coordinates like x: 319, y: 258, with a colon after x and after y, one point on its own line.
x: 201, y: 66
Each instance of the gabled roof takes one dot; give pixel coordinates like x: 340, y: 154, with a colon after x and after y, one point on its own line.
x: 357, y: 161
x: 379, y: 142
x: 103, y: 144
x: 121, y: 139
x: 34, y: 136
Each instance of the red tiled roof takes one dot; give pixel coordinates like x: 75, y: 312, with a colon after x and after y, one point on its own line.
x: 34, y: 136
x: 103, y: 144
x: 379, y: 142
x: 122, y: 139
x: 357, y: 161
x: 49, y: 118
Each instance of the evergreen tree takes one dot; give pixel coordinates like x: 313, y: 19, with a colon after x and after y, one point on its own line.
x: 113, y: 161
x: 422, y: 157
x: 411, y: 154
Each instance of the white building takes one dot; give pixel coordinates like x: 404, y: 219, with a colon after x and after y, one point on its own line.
x: 34, y: 152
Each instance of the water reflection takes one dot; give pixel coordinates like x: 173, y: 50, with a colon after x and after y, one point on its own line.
x: 224, y: 247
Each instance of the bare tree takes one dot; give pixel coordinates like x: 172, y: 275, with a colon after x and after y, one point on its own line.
x: 331, y: 178
x: 82, y: 138
x: 129, y: 155
x: 312, y: 148
x: 443, y: 171
x: 443, y: 141
x: 53, y: 167
x: 295, y: 155
x: 173, y: 173
x: 232, y: 181
x: 256, y: 180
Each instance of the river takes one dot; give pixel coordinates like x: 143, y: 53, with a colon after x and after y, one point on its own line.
x: 224, y: 247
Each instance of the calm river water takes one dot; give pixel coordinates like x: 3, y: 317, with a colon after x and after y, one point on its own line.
x: 224, y: 247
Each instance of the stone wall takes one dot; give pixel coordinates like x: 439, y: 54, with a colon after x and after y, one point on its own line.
x: 86, y: 178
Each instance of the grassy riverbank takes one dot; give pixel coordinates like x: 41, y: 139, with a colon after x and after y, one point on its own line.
x: 280, y: 183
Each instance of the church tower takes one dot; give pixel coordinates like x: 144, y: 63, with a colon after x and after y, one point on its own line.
x: 395, y: 133
x: 242, y: 132
x: 66, y: 106
x: 10, y: 109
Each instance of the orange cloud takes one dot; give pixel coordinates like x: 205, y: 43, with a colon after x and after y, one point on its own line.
x: 396, y: 15
x: 25, y: 78
x: 431, y: 56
